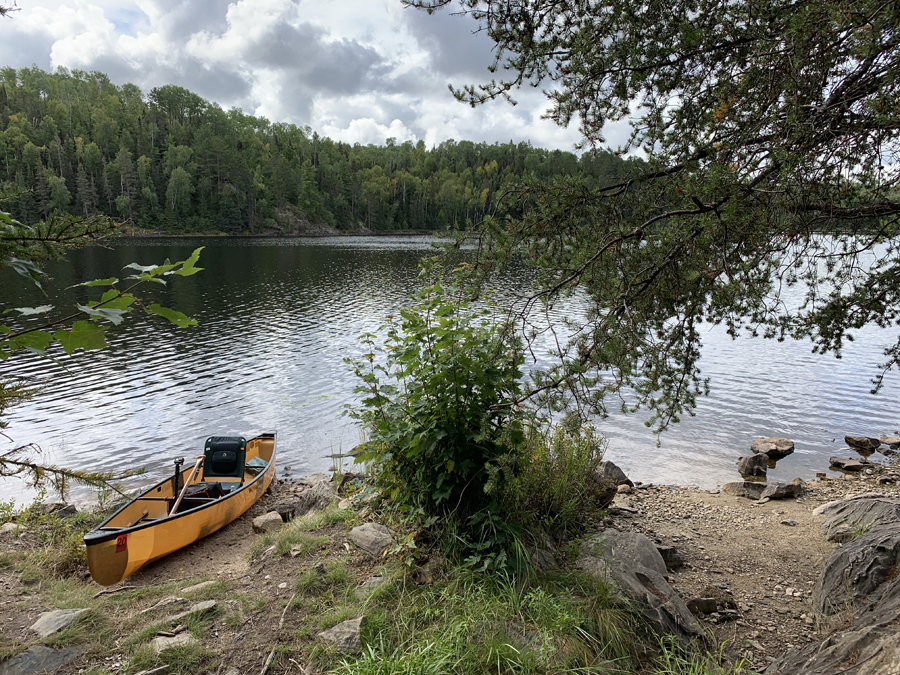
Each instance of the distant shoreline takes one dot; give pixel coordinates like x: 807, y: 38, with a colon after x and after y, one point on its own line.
x: 281, y: 235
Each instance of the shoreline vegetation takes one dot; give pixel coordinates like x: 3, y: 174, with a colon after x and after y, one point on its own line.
x: 333, y: 589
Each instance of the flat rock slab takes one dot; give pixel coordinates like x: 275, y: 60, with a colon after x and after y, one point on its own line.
x: 49, y: 623
x: 365, y: 589
x: 202, y: 586
x: 775, y: 448
x: 267, y: 522
x: 744, y: 488
x: 345, y: 636
x: 849, y: 464
x: 38, y: 659
x: 373, y: 538
x: 199, y: 608
x: 162, y: 643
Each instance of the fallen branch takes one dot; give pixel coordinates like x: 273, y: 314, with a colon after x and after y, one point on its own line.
x: 110, y: 591
x: 268, y: 662
x: 281, y: 620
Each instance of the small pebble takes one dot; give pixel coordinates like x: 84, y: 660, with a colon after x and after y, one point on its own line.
x: 789, y: 522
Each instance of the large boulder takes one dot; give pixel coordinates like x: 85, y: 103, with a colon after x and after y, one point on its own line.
x: 754, y: 466
x: 858, y: 569
x: 849, y: 518
x: 775, y: 448
x: 630, y: 562
x: 860, y: 576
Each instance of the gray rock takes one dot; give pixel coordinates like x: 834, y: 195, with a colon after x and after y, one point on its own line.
x: 315, y: 479
x: 744, y: 488
x: 775, y: 448
x: 38, y: 659
x: 162, y: 643
x: 610, y: 473
x: 49, y: 623
x: 543, y: 560
x: 161, y: 670
x: 267, y: 522
x: 345, y: 636
x: 316, y: 498
x: 624, y: 489
x: 849, y: 464
x: 871, y: 643
x: 755, y: 465
x: 781, y: 491
x: 702, y: 605
x: 199, y: 608
x: 671, y: 556
x: 892, y: 441
x: 858, y: 569
x: 372, y: 538
x: 864, y: 443
x: 631, y: 563
x: 850, y: 517
x: 11, y: 528
x: 365, y: 589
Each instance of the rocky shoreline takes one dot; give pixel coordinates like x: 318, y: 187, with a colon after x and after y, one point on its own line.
x: 800, y: 581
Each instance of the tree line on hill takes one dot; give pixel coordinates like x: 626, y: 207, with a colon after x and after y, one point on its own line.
x: 76, y: 143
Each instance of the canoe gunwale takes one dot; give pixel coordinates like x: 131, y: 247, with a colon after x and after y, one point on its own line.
x: 101, y: 533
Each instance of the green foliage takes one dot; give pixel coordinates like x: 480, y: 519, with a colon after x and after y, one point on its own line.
x: 476, y: 623
x: 174, y: 162
x: 674, y: 660
x: 556, y: 489
x: 439, y: 402
x: 769, y: 130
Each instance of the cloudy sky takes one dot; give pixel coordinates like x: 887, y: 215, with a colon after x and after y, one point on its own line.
x: 354, y: 70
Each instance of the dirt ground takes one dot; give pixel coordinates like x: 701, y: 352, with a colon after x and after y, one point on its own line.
x: 767, y: 556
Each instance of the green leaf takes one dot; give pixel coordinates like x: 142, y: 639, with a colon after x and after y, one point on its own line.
x: 36, y: 340
x: 179, y: 319
x: 114, y: 315
x: 8, y: 219
x: 450, y: 465
x: 113, y: 299
x: 27, y: 269
x: 31, y: 311
x: 98, y: 282
x: 189, y: 266
x: 83, y: 335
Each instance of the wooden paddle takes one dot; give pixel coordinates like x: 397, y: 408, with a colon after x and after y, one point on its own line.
x: 187, y: 483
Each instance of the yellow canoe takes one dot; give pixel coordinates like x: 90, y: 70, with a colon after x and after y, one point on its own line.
x: 206, y: 496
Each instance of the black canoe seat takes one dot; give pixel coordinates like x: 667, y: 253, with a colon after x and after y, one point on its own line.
x: 224, y: 457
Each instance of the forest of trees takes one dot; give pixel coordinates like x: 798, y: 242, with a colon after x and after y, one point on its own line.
x: 171, y: 161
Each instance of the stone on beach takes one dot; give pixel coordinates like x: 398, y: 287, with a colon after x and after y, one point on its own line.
x: 58, y: 620
x: 864, y: 443
x: 849, y: 464
x: 267, y: 522
x: 744, y: 488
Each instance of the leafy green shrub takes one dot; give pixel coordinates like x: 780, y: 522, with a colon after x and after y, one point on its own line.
x: 439, y: 402
x: 555, y: 489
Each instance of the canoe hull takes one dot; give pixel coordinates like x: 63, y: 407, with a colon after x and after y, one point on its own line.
x: 116, y: 551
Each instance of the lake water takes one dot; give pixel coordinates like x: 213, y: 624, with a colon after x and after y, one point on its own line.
x: 276, y: 320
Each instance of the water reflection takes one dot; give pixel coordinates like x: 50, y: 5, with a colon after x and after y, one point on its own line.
x: 276, y: 319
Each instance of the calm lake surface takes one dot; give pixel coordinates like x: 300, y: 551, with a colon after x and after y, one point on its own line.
x: 276, y: 319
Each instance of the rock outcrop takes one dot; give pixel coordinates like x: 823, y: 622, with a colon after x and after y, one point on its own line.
x: 632, y: 564
x: 754, y: 466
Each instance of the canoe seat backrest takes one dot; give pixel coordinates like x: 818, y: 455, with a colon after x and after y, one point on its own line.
x: 224, y: 457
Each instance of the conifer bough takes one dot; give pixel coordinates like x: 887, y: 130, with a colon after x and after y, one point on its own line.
x: 771, y: 133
